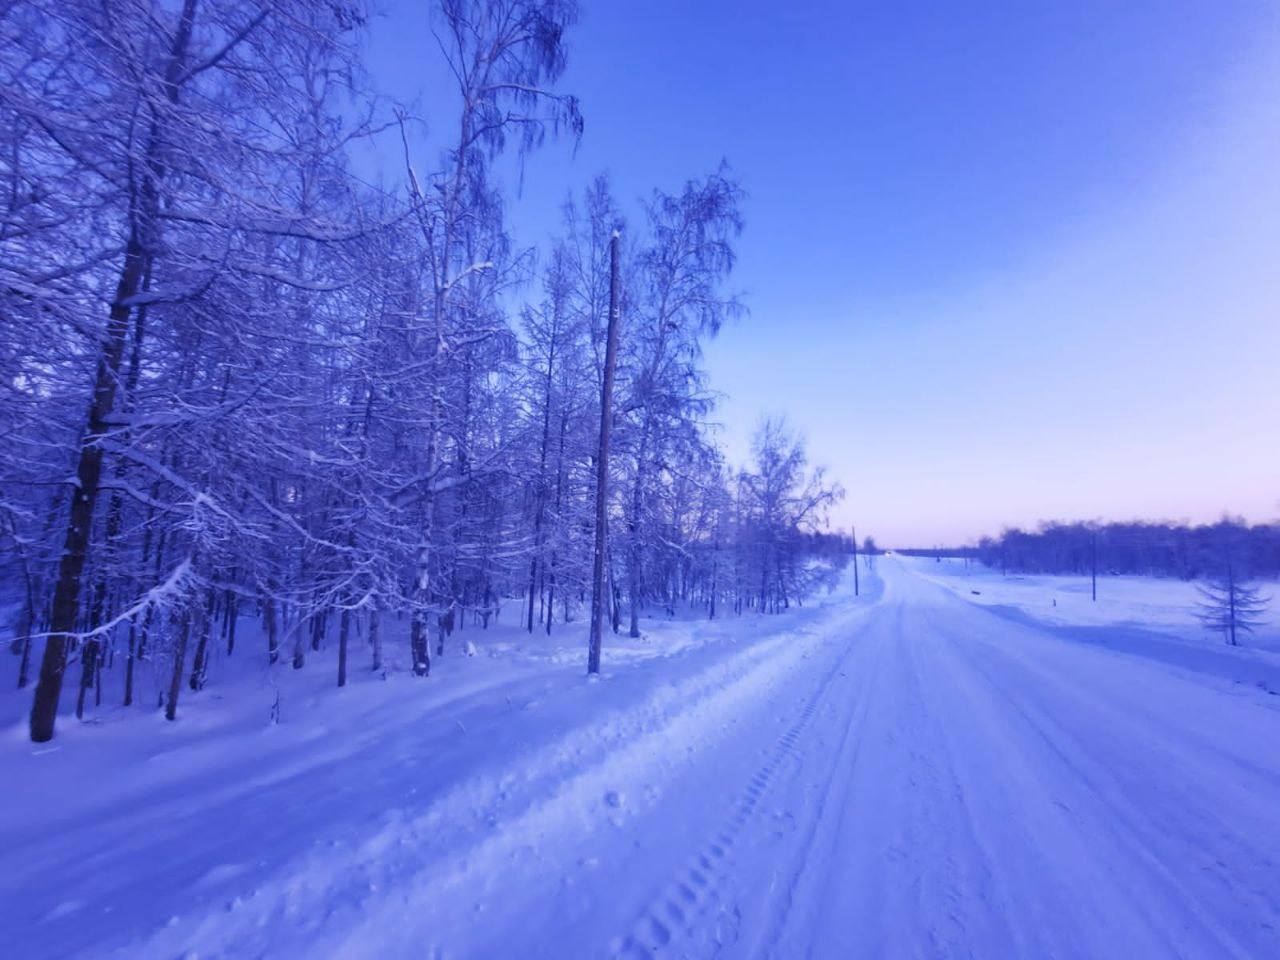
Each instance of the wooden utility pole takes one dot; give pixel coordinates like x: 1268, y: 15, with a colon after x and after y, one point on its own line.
x: 602, y: 462
x: 1093, y: 550
x: 853, y: 532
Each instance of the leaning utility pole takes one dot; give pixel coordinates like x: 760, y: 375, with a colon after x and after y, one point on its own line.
x: 1093, y: 550
x: 602, y: 461
x: 853, y: 532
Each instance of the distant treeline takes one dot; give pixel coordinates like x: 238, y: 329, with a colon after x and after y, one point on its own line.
x: 1144, y: 548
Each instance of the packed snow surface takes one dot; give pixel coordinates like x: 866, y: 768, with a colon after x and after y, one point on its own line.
x: 921, y: 771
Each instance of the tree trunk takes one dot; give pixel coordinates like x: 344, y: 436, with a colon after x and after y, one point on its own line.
x: 344, y: 628
x: 179, y: 660
x: 633, y: 548
x: 418, y: 645
x: 230, y: 615
x: 299, y: 649
x: 24, y: 664
x: 317, y: 630
x: 375, y: 639
x: 273, y: 630
x: 88, y: 663
x: 66, y: 596
x: 715, y: 569
x: 200, y: 664
x: 129, y: 664
x: 564, y: 424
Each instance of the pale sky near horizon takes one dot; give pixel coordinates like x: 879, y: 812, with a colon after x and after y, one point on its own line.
x: 1002, y: 266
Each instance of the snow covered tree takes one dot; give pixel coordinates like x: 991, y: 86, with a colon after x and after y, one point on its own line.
x: 785, y: 499
x: 161, y: 118
x: 1229, y: 606
x: 679, y: 301
x: 239, y: 383
x: 503, y: 55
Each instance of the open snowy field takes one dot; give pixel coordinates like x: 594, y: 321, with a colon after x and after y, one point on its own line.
x: 1148, y: 617
x: 917, y: 772
x: 1155, y: 603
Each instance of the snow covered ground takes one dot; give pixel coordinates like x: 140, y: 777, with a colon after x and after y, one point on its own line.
x: 1152, y: 603
x: 1152, y: 618
x: 917, y: 772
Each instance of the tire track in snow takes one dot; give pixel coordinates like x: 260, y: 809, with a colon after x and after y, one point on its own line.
x: 838, y: 780
x: 1093, y: 789
x: 673, y: 923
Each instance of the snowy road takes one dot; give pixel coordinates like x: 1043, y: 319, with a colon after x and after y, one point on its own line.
x: 961, y: 786
x: 977, y: 788
x: 903, y: 775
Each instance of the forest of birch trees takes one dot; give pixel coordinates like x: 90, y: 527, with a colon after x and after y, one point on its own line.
x: 252, y: 403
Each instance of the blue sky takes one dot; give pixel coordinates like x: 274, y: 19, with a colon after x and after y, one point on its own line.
x: 1004, y: 262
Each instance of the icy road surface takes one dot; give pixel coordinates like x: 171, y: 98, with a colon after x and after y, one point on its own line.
x: 906, y: 774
